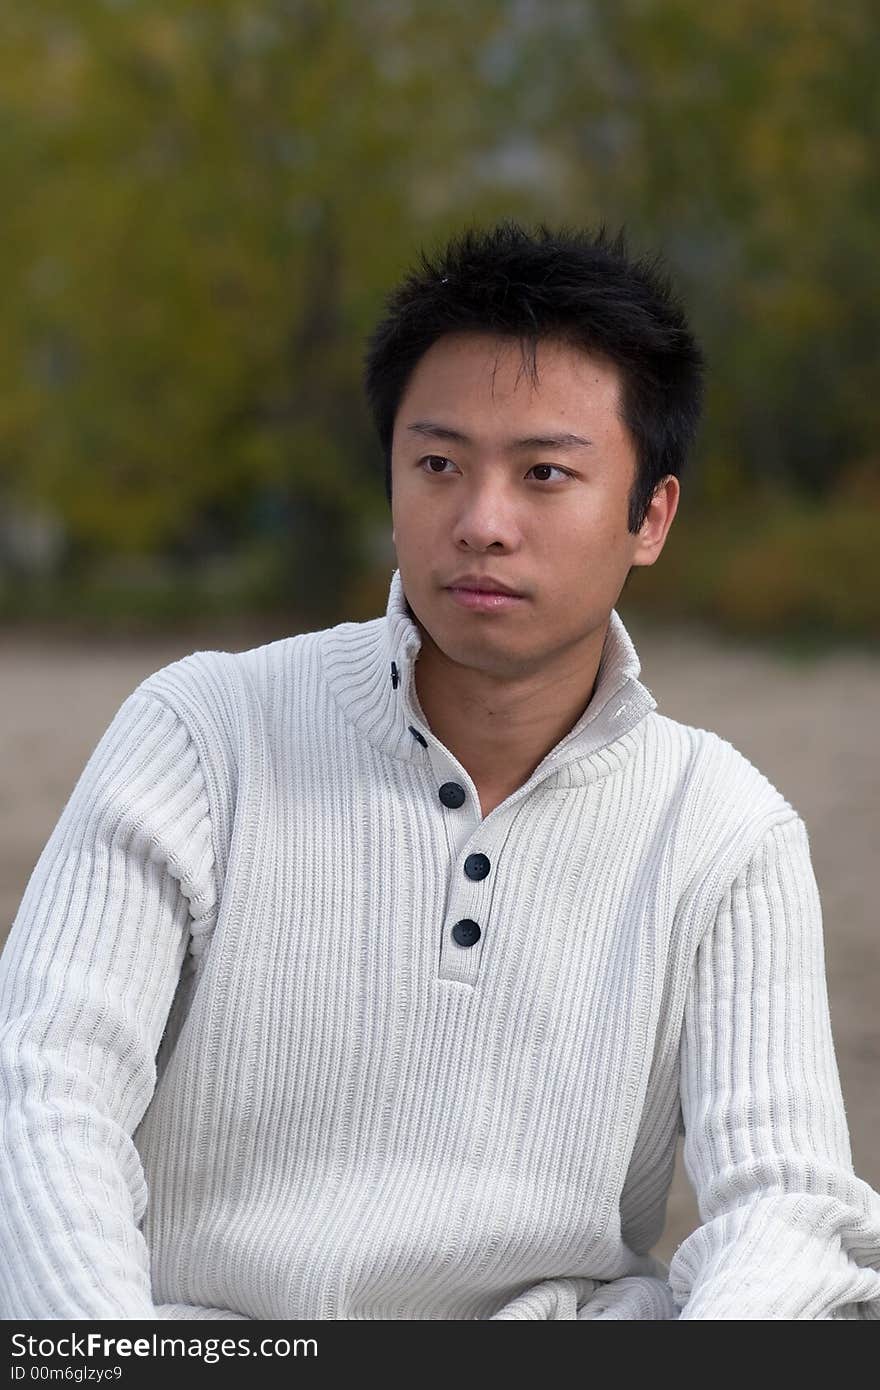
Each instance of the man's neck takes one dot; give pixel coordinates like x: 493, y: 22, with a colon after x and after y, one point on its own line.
x: 500, y: 731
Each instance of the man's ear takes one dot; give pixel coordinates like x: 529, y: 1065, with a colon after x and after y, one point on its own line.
x: 659, y: 518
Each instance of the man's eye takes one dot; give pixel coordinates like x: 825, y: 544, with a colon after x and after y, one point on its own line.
x: 433, y: 458
x: 553, y: 467
x: 430, y: 459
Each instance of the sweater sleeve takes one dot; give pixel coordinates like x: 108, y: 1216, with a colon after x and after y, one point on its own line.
x: 87, y: 978
x: 789, y: 1232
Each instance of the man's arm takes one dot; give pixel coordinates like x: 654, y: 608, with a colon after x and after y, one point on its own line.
x: 789, y: 1232
x: 87, y: 978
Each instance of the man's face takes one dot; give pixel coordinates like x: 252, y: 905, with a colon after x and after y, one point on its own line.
x: 550, y: 521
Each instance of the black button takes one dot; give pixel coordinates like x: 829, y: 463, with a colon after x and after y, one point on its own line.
x: 451, y: 794
x: 476, y: 866
x: 466, y: 932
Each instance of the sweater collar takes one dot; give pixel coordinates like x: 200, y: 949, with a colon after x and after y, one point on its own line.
x: 370, y: 668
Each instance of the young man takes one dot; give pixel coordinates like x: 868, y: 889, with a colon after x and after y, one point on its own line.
x: 372, y: 973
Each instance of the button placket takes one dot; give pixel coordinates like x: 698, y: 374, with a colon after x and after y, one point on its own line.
x: 463, y: 923
x: 471, y: 843
x: 468, y: 922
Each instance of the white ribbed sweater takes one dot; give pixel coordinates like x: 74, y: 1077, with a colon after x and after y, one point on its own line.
x: 246, y: 1069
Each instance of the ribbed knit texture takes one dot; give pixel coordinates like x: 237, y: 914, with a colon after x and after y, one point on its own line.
x: 246, y: 1070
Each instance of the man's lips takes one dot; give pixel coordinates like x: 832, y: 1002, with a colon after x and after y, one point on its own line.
x: 483, y: 584
x: 477, y: 589
x: 486, y: 600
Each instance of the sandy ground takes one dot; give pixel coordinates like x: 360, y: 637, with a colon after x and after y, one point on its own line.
x: 810, y: 727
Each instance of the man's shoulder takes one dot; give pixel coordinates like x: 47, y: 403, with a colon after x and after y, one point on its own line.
x: 717, y: 806
x: 218, y: 680
x: 206, y: 671
x: 207, y: 676
x: 713, y: 770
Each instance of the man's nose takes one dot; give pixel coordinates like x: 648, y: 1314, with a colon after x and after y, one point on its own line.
x: 487, y: 513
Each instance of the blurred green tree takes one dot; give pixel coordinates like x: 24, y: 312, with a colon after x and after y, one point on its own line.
x: 206, y: 204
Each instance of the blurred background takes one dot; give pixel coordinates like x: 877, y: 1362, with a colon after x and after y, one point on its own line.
x: 205, y: 205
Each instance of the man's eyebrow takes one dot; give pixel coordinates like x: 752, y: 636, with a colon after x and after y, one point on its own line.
x: 537, y: 441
